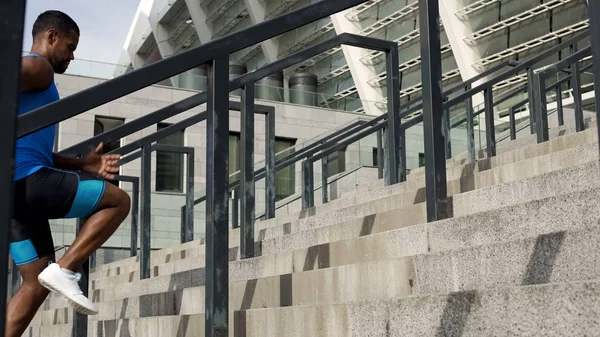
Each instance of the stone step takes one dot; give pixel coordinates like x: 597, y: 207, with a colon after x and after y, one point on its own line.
x: 160, y: 326
x: 553, y: 132
x: 564, y: 256
x: 59, y: 330
x: 561, y: 256
x: 313, y: 232
x: 416, y: 194
x: 566, y: 309
x: 388, y: 277
x: 513, y: 158
x: 508, y: 151
x: 512, y: 222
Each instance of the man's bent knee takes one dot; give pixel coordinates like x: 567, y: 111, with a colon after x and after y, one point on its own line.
x: 114, y: 197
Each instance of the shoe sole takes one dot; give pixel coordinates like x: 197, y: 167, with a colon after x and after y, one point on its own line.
x: 78, y: 307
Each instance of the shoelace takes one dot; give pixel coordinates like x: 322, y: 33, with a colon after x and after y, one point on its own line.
x: 76, y: 278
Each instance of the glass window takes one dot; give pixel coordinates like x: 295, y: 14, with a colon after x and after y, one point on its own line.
x: 234, y: 155
x: 104, y: 124
x: 336, y: 163
x: 169, y: 165
x: 285, y: 179
x: 421, y: 159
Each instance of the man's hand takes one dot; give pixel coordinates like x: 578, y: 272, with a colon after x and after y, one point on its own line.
x: 104, y: 165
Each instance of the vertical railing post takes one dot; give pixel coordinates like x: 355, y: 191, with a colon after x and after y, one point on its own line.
x: 490, y: 128
x: 80, y: 321
x: 594, y: 13
x: 12, y: 18
x: 559, y: 106
x: 431, y: 72
x: 530, y: 95
x: 470, y: 129
x: 247, y: 183
x: 270, y: 166
x: 217, y: 204
x: 512, y: 124
x: 93, y: 260
x: 15, y: 278
x: 135, y: 204
x: 187, y: 232
x: 307, y: 184
x: 235, y: 211
x: 447, y: 134
x: 324, y: 174
x: 539, y: 95
x: 145, y: 213
x: 576, y: 85
x: 402, y: 153
x: 380, y: 154
x: 394, y: 166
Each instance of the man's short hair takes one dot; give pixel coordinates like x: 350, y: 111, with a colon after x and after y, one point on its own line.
x: 54, y: 20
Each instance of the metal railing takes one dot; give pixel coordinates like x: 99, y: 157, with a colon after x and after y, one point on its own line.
x: 216, y: 55
x: 434, y: 103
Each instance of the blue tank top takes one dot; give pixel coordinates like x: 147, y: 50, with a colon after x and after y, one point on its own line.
x: 34, y: 151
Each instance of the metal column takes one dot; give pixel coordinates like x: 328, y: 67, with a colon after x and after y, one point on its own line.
x: 15, y: 278
x: 539, y: 95
x: 447, y: 134
x: 490, y: 128
x: 235, y: 210
x: 435, y: 161
x: 12, y: 18
x: 187, y: 233
x: 594, y: 13
x: 470, y: 130
x: 145, y: 215
x: 270, y: 166
x: 530, y: 95
x: 324, y: 174
x: 576, y: 85
x: 512, y: 124
x: 80, y: 321
x: 217, y: 204
x: 247, y: 183
x: 380, y: 154
x: 308, y: 193
x: 559, y: 106
x: 394, y: 167
x: 135, y: 190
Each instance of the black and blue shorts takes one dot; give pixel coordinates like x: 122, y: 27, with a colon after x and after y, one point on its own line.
x: 49, y: 193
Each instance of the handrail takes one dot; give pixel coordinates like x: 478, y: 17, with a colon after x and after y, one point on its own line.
x: 523, y: 66
x: 140, y: 78
x: 374, y: 124
x: 201, y: 98
x: 308, y: 200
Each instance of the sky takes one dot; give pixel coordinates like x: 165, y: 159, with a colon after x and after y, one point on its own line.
x: 104, y: 25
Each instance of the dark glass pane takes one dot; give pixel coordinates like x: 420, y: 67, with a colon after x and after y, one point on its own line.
x: 285, y: 179
x: 336, y: 163
x: 169, y: 165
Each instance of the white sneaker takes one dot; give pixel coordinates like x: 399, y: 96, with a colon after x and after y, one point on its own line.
x: 55, y: 279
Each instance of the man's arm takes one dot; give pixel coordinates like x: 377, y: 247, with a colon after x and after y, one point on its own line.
x: 36, y: 74
x: 67, y: 163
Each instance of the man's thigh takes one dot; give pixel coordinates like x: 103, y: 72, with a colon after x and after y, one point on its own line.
x: 60, y: 194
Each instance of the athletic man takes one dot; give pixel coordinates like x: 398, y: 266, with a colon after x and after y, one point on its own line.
x: 50, y: 186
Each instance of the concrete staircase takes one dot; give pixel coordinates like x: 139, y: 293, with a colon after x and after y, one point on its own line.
x: 519, y: 255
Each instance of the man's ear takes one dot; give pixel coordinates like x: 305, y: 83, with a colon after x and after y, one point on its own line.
x: 52, y: 36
